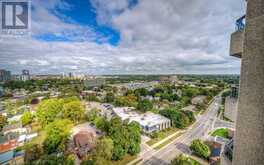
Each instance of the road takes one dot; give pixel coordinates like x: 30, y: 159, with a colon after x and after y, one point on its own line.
x: 203, y: 125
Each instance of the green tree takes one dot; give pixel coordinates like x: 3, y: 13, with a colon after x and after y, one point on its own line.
x: 32, y: 152
x: 103, y: 152
x: 58, y: 133
x: 27, y: 118
x: 48, y: 111
x: 126, y: 138
x: 92, y: 115
x: 110, y: 97
x: 180, y: 119
x: 190, y: 115
x: 92, y: 98
x: 200, y: 149
x: 141, y: 92
x: 74, y: 111
x: 117, y: 134
x: 145, y: 105
x: 102, y: 124
x: 3, y: 122
x: 182, y: 160
x: 55, y: 159
x: 190, y: 92
x: 134, y: 138
x: 130, y: 101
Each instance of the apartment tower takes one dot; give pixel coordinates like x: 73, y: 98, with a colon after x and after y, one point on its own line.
x: 247, y: 43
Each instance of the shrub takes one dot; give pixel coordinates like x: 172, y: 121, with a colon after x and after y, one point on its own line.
x: 183, y: 160
x: 200, y: 149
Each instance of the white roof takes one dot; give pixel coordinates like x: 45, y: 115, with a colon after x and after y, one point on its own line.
x: 22, y: 138
x: 14, y: 118
x: 30, y: 136
x: 146, y: 119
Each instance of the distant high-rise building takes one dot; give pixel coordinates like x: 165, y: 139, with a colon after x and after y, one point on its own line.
x: 25, y: 75
x: 234, y: 91
x: 16, y: 77
x: 1, y: 91
x: 5, y: 75
x: 70, y: 75
x: 228, y: 149
x: 25, y: 72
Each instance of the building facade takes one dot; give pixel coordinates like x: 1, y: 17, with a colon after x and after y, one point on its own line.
x: 25, y: 75
x: 149, y: 121
x: 96, y: 82
x: 5, y: 75
x: 248, y: 43
x: 1, y: 91
x: 234, y: 91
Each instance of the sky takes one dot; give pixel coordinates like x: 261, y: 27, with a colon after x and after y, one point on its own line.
x: 126, y: 37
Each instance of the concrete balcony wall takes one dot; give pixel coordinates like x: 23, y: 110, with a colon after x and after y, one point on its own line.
x: 249, y: 136
x: 236, y: 44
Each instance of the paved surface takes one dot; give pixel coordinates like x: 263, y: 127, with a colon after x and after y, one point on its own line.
x: 224, y: 124
x: 231, y: 108
x: 204, y: 124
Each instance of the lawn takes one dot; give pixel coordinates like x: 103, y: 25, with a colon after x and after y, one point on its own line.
x: 39, y: 139
x: 128, y: 158
x: 41, y: 134
x: 161, y: 135
x: 222, y: 132
x: 167, y: 141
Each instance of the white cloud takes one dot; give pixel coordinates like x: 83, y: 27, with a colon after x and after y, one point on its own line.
x: 156, y: 37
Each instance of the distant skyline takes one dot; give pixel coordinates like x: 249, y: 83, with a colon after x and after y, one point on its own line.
x: 104, y: 37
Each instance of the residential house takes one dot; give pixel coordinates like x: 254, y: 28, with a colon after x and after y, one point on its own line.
x: 17, y: 127
x: 12, y: 157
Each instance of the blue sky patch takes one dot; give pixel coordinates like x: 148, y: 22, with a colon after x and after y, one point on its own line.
x: 82, y: 13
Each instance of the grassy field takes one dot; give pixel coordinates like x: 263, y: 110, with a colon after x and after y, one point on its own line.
x: 137, y: 162
x: 162, y: 135
x: 125, y: 160
x: 222, y: 132
x: 167, y: 141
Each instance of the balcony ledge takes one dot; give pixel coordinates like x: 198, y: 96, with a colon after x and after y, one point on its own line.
x: 236, y: 44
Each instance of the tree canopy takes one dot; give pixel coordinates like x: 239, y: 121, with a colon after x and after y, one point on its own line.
x: 57, y: 135
x: 126, y: 137
x: 48, y: 111
x: 74, y: 111
x: 103, y: 152
x: 27, y: 118
x: 3, y: 122
x: 180, y: 119
x: 144, y: 105
x: 183, y: 160
x: 51, y: 109
x: 200, y: 149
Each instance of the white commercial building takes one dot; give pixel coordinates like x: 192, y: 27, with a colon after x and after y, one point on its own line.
x: 149, y: 121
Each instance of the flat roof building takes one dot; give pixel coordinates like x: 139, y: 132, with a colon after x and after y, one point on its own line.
x: 95, y: 82
x: 149, y: 121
